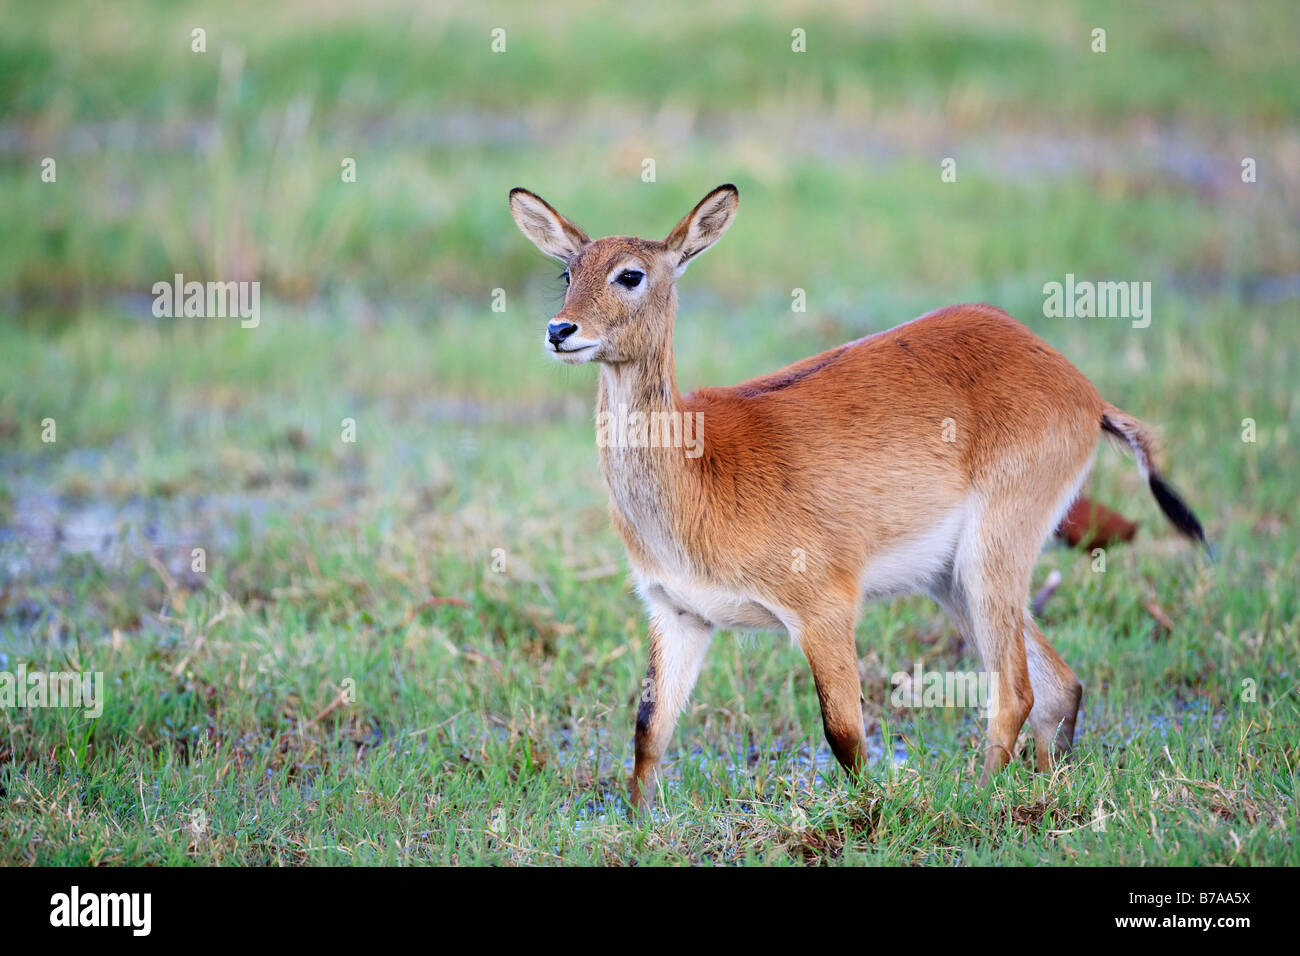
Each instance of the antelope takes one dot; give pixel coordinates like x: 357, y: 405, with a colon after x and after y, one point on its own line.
x: 935, y: 457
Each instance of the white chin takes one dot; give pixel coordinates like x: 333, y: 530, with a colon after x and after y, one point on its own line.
x: 575, y: 354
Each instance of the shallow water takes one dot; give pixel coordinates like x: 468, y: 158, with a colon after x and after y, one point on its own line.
x: 44, y: 527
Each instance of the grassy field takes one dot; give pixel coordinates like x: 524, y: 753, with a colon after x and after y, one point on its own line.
x: 399, y: 648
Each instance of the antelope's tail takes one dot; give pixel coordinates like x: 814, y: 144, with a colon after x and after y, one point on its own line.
x: 1135, y: 435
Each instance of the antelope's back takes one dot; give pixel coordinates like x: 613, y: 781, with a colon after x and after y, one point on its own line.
x: 911, y: 417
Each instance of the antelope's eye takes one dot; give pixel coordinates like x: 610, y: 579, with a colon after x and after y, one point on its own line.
x: 630, y: 279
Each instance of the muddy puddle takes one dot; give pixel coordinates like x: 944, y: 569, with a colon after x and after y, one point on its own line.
x: 43, y: 529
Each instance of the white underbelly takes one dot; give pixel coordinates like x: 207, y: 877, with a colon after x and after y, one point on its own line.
x: 718, y: 607
x: 908, y: 567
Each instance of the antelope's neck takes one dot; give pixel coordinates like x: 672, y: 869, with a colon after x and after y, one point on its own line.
x: 646, y: 438
x: 649, y: 386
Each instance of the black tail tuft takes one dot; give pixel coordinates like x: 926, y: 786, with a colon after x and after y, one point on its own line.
x: 1176, y: 510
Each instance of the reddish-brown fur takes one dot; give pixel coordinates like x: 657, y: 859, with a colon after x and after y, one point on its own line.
x: 936, y: 456
x: 1089, y: 524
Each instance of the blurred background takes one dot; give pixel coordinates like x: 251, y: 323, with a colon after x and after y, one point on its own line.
x: 325, y: 558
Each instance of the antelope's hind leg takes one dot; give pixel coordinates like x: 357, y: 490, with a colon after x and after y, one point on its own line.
x: 1057, y: 693
x: 1056, y: 690
x: 986, y: 598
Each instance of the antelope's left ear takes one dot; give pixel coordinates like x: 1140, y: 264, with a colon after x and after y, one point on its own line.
x: 703, y: 225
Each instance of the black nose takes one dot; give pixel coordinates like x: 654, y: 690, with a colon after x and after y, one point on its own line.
x: 557, y: 332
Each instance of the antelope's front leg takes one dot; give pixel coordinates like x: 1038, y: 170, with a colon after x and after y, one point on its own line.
x: 678, y: 642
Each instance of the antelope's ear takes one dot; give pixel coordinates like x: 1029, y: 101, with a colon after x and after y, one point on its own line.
x: 703, y: 225
x: 548, y: 230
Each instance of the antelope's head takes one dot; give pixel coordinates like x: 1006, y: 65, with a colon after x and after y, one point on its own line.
x: 618, y: 304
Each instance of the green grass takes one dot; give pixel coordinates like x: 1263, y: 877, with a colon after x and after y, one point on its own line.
x: 301, y: 700
x: 1204, y: 61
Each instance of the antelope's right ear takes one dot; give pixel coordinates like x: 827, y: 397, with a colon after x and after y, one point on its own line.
x: 548, y: 230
